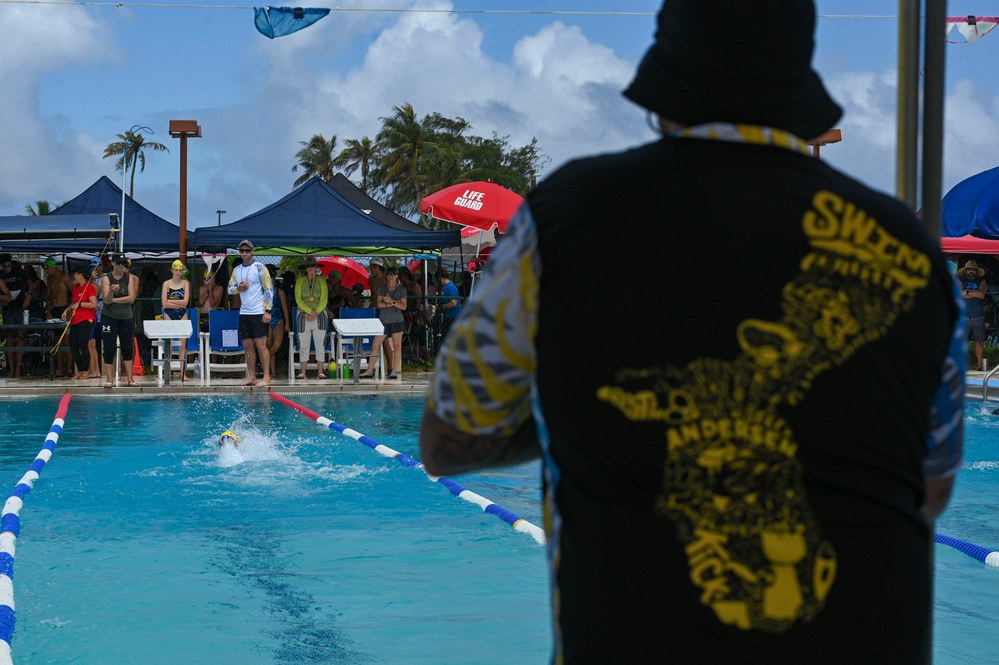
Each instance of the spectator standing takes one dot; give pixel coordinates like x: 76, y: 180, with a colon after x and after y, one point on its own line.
x: 34, y: 300
x: 358, y: 291
x: 280, y: 312
x: 465, y: 289
x: 252, y: 283
x: 744, y: 484
x: 97, y: 266
x: 120, y: 290
x: 974, y: 288
x: 81, y: 314
x: 338, y: 295
x: 415, y: 316
x: 60, y: 290
x: 450, y: 309
x: 175, y: 296
x: 12, y: 300
x: 211, y: 295
x: 310, y: 298
x: 391, y: 304
x: 376, y: 272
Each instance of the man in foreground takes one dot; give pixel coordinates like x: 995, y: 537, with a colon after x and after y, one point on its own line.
x: 738, y: 490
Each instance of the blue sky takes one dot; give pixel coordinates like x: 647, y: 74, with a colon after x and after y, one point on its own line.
x: 74, y: 76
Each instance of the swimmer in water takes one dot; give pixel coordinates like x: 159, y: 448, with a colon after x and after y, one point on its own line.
x: 229, y: 436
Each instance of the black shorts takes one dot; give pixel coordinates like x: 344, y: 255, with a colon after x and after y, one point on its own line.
x: 251, y: 326
x: 392, y: 328
x: 976, y: 329
x: 117, y: 333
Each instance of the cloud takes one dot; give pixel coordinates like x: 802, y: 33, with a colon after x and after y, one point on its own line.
x: 869, y: 126
x: 42, y: 145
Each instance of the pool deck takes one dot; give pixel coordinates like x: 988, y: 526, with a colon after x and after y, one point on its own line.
x: 151, y: 385
x: 411, y: 382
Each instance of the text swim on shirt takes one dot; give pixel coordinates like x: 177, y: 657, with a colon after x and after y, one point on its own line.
x: 760, y: 383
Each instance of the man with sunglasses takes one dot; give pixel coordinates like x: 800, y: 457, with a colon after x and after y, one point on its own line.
x: 256, y: 296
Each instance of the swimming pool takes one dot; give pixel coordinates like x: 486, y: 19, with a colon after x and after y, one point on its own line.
x: 142, y: 544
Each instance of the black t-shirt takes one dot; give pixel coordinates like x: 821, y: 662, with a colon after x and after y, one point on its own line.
x: 737, y: 464
x: 14, y: 280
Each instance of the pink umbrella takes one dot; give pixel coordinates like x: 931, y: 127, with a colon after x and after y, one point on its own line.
x: 479, y: 204
x: 351, y: 272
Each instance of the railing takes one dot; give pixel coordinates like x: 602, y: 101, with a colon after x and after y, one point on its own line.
x: 985, y: 383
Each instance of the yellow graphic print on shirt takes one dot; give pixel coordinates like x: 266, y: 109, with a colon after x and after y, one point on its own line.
x: 731, y: 483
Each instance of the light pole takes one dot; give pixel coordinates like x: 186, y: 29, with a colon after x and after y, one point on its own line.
x: 124, y: 168
x: 220, y: 213
x: 182, y: 129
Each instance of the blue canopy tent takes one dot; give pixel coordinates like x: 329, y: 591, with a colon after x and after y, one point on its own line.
x: 971, y: 208
x: 316, y: 218
x: 143, y: 231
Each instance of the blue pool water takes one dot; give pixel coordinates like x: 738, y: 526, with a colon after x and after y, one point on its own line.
x: 142, y: 544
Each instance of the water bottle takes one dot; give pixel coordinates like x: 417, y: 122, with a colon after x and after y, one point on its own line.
x: 25, y: 314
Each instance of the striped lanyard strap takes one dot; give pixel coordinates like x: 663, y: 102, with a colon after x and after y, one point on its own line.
x: 756, y: 134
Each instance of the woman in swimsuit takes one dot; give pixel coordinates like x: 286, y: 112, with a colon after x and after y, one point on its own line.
x: 174, y: 297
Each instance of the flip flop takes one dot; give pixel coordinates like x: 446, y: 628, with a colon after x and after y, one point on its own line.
x: 300, y: 376
x: 132, y: 384
x: 108, y: 386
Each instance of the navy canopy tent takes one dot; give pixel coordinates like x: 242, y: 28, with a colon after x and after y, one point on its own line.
x: 348, y: 190
x: 316, y: 218
x: 143, y: 231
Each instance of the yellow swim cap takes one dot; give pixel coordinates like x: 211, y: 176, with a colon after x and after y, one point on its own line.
x: 228, y: 436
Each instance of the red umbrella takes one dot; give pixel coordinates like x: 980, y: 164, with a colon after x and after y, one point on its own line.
x: 351, y: 272
x: 479, y: 204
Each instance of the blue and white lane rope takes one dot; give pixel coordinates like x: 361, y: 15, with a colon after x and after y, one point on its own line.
x: 988, y: 557
x: 457, y: 490
x: 10, y: 528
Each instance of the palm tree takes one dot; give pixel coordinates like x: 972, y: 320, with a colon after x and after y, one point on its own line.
x: 130, y: 150
x: 404, y: 139
x: 363, y: 155
x: 40, y: 208
x: 317, y: 158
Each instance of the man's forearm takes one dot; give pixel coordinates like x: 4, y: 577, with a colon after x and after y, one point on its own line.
x: 448, y: 450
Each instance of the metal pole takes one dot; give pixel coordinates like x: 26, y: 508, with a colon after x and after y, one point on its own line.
x: 933, y: 116
x: 907, y: 159
x: 183, y: 198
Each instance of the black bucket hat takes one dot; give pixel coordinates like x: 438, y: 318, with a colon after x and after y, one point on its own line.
x: 736, y: 61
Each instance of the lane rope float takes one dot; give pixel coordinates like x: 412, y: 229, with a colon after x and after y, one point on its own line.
x: 988, y: 557
x: 10, y: 528
x: 456, y: 490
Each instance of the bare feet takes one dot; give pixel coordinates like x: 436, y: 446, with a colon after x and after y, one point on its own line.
x: 81, y: 376
x: 265, y: 382
x: 252, y: 381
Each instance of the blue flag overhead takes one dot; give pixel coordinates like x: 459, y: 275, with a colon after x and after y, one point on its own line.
x: 280, y: 21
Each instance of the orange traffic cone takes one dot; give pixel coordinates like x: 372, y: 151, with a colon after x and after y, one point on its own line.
x: 137, y: 368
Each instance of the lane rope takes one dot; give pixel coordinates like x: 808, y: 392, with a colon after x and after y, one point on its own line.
x: 988, y: 557
x: 10, y: 528
x: 456, y: 490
